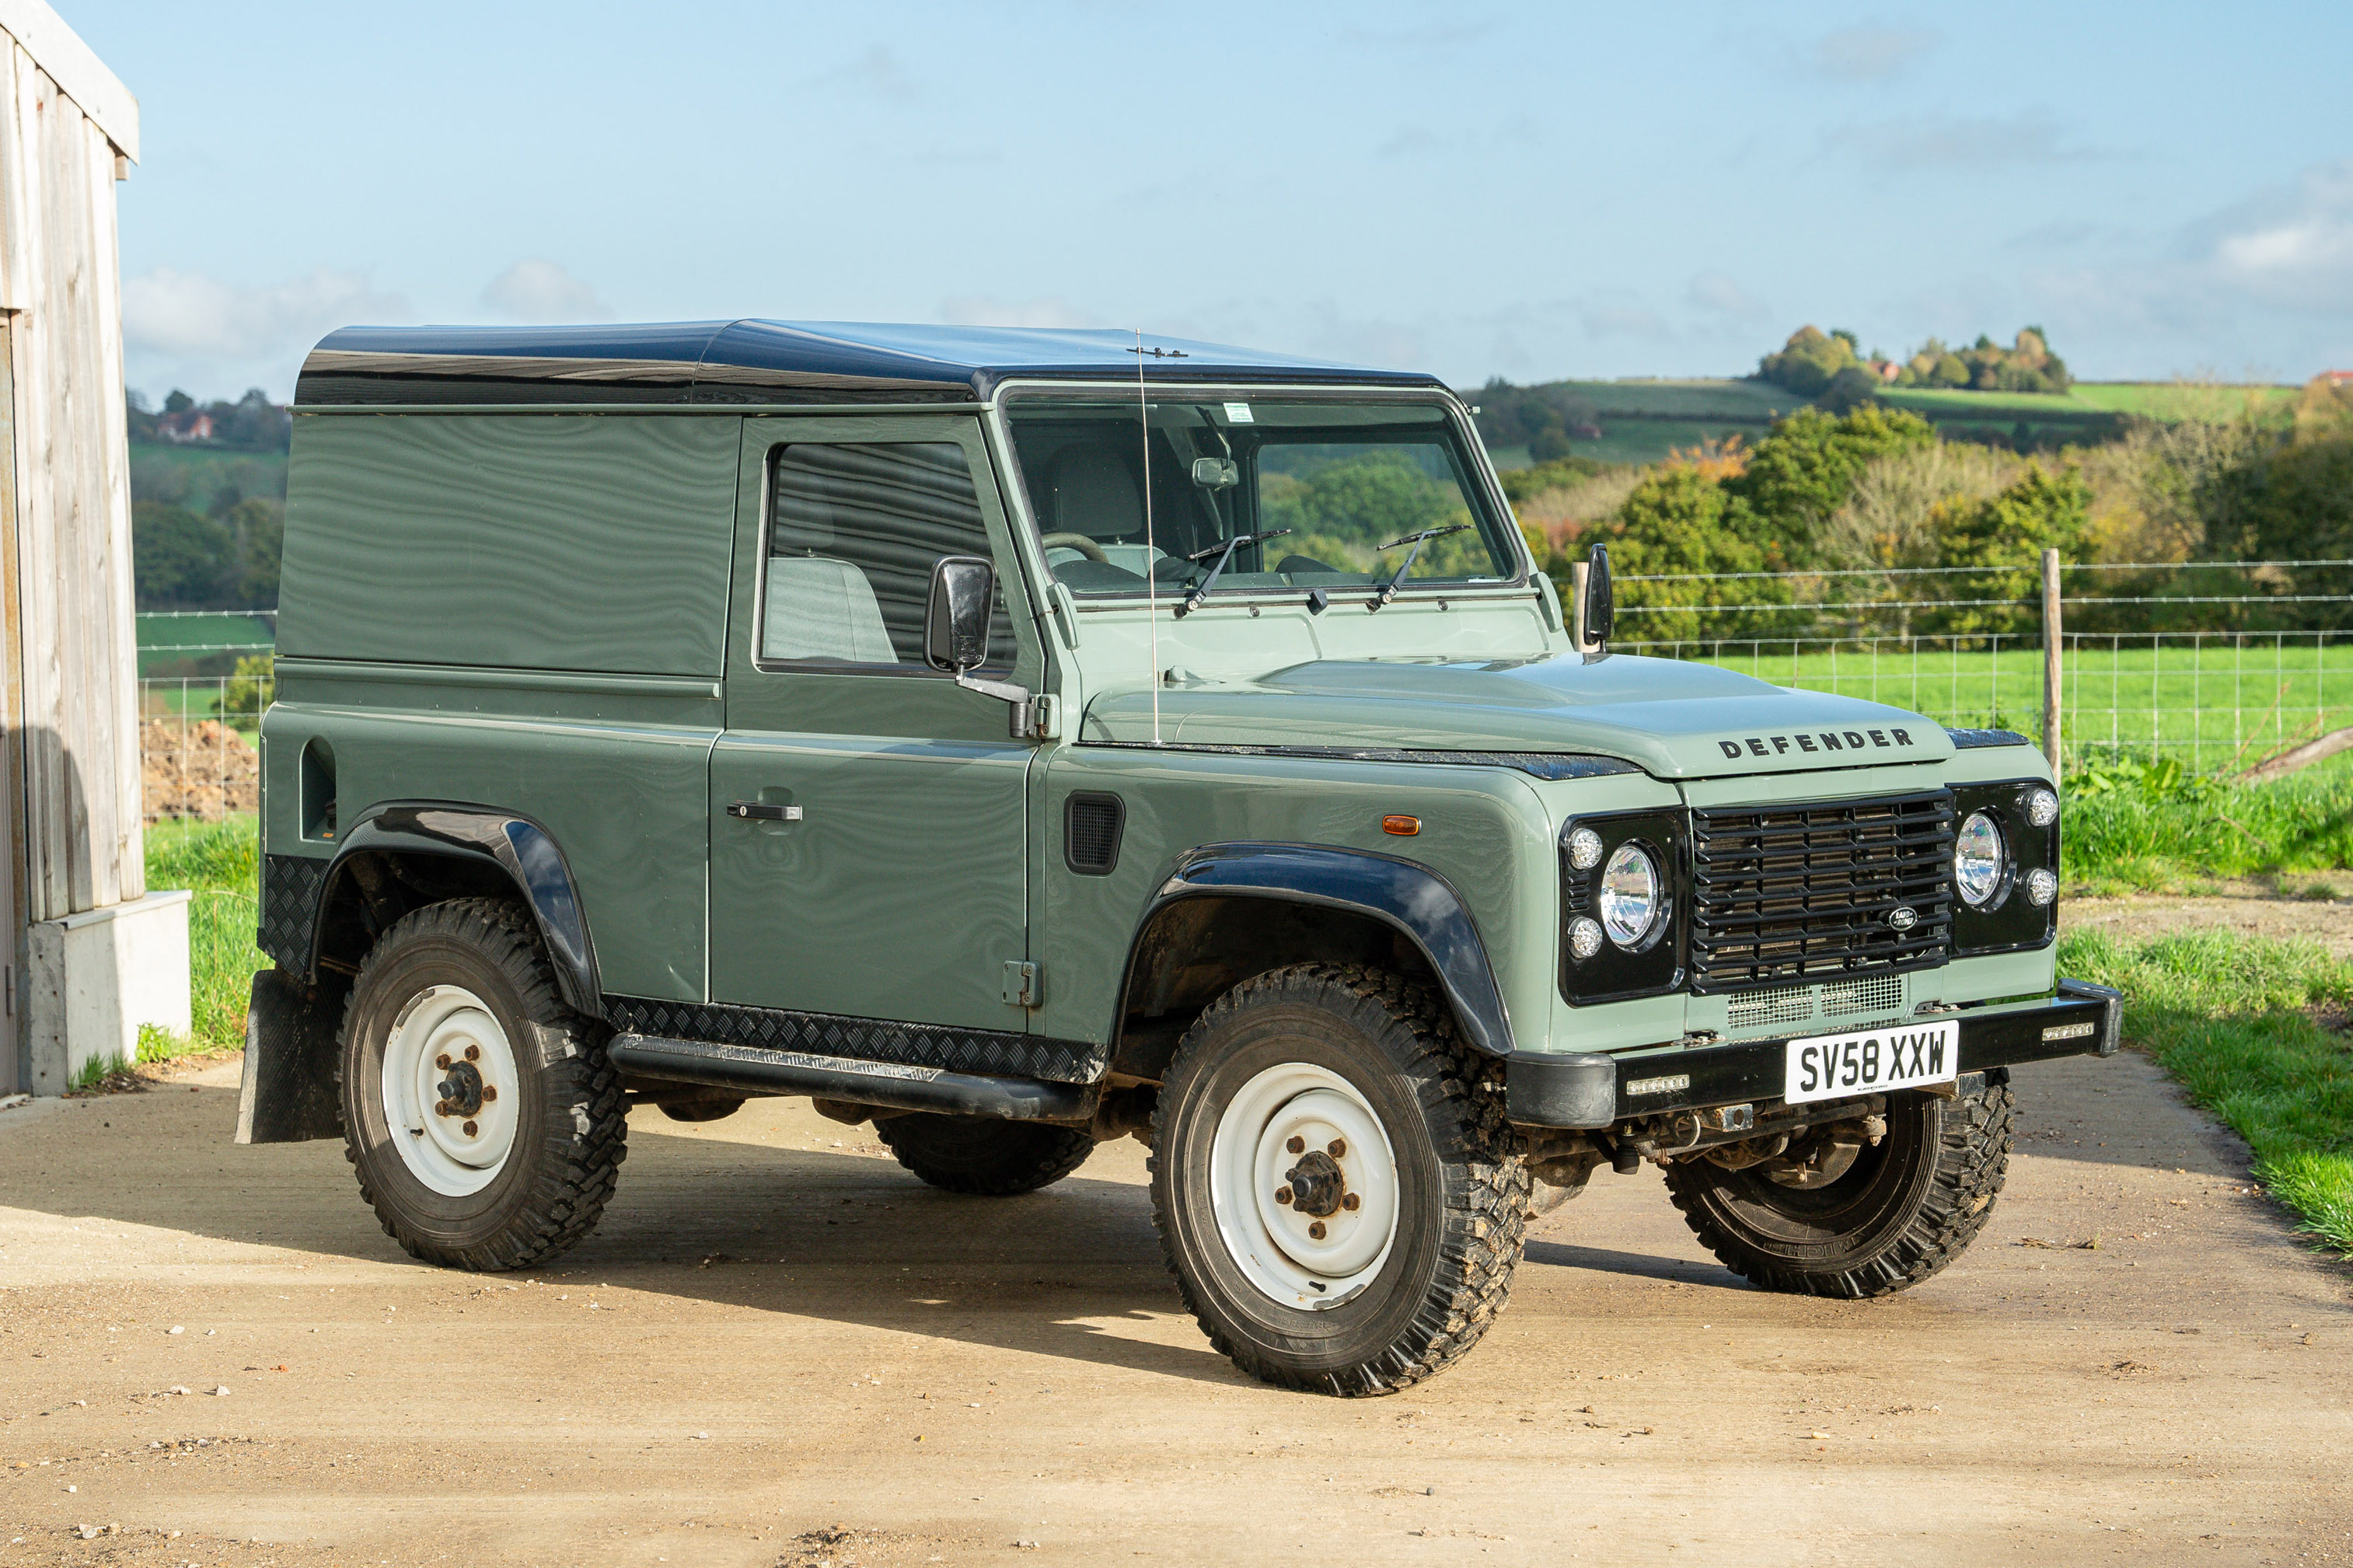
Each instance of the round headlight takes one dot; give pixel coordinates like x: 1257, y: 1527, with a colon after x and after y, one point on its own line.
x: 1584, y: 936
x: 2043, y: 808
x: 1584, y: 848
x: 1980, y: 860
x: 1631, y: 899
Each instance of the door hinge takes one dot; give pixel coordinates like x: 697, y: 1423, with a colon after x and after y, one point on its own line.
x: 1023, y: 987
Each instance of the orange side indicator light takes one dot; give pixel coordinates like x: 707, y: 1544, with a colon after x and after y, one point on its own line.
x: 1402, y: 826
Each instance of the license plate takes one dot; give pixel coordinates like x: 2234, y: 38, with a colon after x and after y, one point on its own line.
x: 1871, y: 1061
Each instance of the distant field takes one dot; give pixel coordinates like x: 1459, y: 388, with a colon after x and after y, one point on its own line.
x: 1738, y: 401
x: 2179, y: 400
x: 199, y: 473
x: 1642, y: 421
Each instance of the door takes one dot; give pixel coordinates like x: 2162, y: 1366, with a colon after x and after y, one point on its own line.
x: 898, y: 885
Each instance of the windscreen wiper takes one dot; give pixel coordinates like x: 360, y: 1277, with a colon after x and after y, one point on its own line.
x: 1224, y: 553
x: 1417, y: 540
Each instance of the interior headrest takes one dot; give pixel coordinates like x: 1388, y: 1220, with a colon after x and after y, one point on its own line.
x: 1094, y: 493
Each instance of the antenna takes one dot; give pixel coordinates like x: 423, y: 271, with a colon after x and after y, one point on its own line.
x: 1151, y: 577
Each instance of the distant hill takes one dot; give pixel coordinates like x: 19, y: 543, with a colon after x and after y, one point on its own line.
x: 1641, y: 421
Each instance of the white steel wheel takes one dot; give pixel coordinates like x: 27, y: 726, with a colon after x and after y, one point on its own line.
x: 1304, y: 1184
x: 450, y: 1090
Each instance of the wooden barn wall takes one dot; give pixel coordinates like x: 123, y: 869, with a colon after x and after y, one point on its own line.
x: 74, y: 642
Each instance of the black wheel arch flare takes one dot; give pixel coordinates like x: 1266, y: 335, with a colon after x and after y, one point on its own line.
x: 1410, y: 900
x: 519, y: 848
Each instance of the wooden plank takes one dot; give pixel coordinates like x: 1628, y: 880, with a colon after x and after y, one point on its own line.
x: 75, y: 68
x: 83, y: 838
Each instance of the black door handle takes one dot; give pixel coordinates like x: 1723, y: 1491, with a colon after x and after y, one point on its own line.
x: 756, y: 812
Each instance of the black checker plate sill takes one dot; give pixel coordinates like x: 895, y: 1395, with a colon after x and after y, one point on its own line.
x: 985, y: 1051
x: 1788, y: 894
x: 289, y: 908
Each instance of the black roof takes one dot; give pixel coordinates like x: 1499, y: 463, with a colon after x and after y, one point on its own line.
x: 762, y: 362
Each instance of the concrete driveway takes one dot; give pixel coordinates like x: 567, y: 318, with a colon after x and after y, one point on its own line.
x: 780, y: 1348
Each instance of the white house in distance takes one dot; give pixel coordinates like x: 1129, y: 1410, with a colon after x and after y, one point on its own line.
x: 92, y: 954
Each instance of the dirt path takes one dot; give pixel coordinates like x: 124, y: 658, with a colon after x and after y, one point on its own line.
x: 2329, y: 922
x: 776, y: 1333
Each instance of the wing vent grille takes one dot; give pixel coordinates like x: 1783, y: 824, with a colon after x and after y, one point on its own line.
x: 1092, y: 826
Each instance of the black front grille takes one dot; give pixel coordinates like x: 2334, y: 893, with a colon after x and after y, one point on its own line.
x: 1792, y: 893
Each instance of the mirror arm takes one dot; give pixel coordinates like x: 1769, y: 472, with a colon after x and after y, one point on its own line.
x: 1022, y: 703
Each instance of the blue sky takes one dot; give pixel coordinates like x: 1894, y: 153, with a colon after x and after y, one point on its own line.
x: 1533, y: 192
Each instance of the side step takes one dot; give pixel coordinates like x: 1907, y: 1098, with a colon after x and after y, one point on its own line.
x: 847, y: 1078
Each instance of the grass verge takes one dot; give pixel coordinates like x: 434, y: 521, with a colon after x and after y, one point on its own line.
x: 217, y: 862
x: 2255, y: 1029
x: 2158, y: 830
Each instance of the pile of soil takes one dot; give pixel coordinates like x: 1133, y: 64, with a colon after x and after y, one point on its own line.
x: 201, y: 769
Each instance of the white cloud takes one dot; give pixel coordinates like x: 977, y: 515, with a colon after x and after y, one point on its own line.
x: 983, y: 309
x: 877, y: 73
x: 1722, y: 293
x: 1962, y: 141
x: 2291, y: 246
x: 540, y: 290
x: 216, y: 339
x: 1609, y: 320
x: 167, y: 312
x: 1870, y: 53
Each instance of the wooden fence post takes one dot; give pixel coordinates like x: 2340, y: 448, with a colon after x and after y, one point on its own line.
x: 2051, y: 664
x: 1576, y: 571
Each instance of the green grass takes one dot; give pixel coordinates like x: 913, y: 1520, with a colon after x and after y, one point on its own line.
x: 2177, y: 401
x: 217, y: 862
x: 207, y: 469
x: 2245, y: 1024
x: 2218, y: 703
x: 2166, y: 830
x: 1741, y: 402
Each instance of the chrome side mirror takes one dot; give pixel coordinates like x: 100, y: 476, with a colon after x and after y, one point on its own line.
x: 956, y: 621
x: 955, y: 639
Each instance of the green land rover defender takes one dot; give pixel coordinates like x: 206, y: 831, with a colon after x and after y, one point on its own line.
x: 1021, y: 739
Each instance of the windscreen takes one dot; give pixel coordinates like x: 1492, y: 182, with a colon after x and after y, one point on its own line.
x: 1345, y: 488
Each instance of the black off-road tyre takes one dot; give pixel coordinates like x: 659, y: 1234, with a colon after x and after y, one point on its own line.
x: 1462, y: 1184
x: 1903, y: 1211
x: 985, y: 1156
x: 570, y: 1121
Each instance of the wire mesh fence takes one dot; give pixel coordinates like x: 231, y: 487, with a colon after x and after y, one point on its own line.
x: 204, y: 682
x: 2218, y: 663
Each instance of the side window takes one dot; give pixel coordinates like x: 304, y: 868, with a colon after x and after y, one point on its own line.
x: 853, y: 534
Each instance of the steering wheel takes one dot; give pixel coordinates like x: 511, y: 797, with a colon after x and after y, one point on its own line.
x: 1079, y: 542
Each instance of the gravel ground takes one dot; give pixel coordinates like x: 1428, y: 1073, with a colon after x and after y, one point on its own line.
x: 2329, y: 922
x: 781, y: 1348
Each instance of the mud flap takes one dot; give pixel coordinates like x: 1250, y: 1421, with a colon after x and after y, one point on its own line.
x: 288, y: 1092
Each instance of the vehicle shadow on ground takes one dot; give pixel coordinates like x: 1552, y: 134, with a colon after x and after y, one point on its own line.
x: 1635, y: 1264
x: 1073, y: 1272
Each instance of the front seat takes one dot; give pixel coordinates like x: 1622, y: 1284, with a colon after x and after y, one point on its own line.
x: 1093, y: 491
x: 819, y: 608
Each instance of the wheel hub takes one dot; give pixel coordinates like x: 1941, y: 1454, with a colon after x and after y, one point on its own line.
x: 1316, y: 1184
x: 1304, y: 1186
x: 461, y: 1092
x: 451, y: 1089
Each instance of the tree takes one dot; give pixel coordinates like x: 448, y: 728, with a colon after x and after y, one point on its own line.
x: 1808, y: 361
x: 1801, y: 472
x: 1850, y: 389
x: 179, y: 559
x: 2043, y: 509
x: 1679, y: 522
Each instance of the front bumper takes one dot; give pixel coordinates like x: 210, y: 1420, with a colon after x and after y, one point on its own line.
x: 1572, y: 1089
